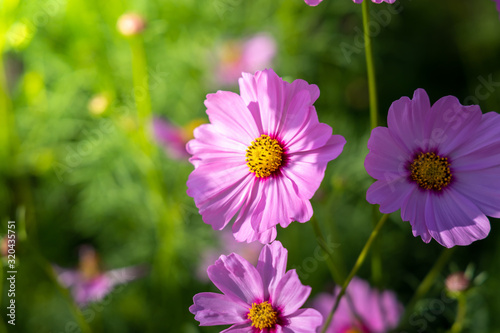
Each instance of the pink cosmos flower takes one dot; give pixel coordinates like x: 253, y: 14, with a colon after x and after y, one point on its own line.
x: 261, y: 158
x: 366, y: 311
x: 227, y: 244
x: 317, y: 2
x: 248, y: 55
x: 440, y: 164
x: 265, y: 298
x: 174, y: 138
x: 88, y: 283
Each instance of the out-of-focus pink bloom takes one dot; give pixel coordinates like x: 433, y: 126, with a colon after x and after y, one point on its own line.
x: 88, y: 283
x: 498, y: 4
x: 366, y: 311
x: 130, y: 24
x: 174, y: 138
x: 250, y: 55
x: 261, y: 158
x: 227, y: 244
x: 261, y: 299
x: 457, y: 282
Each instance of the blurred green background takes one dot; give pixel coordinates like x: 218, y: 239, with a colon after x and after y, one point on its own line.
x: 71, y: 175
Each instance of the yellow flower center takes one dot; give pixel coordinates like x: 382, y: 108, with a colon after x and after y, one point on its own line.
x: 264, y: 156
x: 431, y: 171
x: 262, y: 315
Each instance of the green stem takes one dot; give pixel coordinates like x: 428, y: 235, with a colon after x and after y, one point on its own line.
x: 357, y: 266
x: 331, y: 261
x: 376, y: 258
x: 428, y: 281
x: 376, y: 262
x: 6, y: 120
x: 370, y: 67
x: 169, y: 218
x: 461, y: 311
x: 140, y: 79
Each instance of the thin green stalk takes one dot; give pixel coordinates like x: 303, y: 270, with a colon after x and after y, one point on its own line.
x: 5, y: 114
x: 370, y: 67
x: 331, y: 261
x: 357, y: 266
x: 461, y: 311
x: 428, y: 281
x: 140, y: 79
x: 376, y: 261
x: 376, y: 258
x: 169, y: 229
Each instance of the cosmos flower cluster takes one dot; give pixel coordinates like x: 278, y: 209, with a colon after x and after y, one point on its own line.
x: 263, y: 155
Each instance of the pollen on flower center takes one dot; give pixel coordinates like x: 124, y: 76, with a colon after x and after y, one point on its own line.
x: 262, y: 315
x: 431, y: 171
x: 264, y: 156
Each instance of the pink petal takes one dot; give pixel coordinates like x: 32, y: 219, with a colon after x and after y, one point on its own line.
x: 272, y: 265
x: 290, y: 294
x: 406, y: 119
x: 453, y: 220
x: 250, y: 210
x: 482, y: 150
x: 313, y: 2
x: 281, y: 204
x: 413, y: 210
x: 295, y: 116
x: 389, y: 193
x: 230, y: 116
x: 310, y: 136
x: 237, y: 279
x: 306, y: 169
x: 455, y: 123
x: 299, y: 85
x: 217, y: 309
x: 219, y: 189
x: 241, y: 328
x: 481, y: 187
x: 303, y: 321
x: 211, y: 146
x: 387, y: 157
x: 270, y: 100
x: 486, y: 134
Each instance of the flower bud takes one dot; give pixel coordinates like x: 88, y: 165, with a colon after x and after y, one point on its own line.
x: 457, y: 282
x: 131, y: 24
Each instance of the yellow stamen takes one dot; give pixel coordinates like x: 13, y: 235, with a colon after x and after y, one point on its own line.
x: 262, y: 315
x: 264, y: 156
x: 431, y: 171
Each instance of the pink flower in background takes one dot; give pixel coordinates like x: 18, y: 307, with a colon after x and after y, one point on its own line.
x: 366, y: 311
x: 498, y: 4
x: 238, y: 56
x: 375, y: 1
x: 88, y: 283
x: 261, y: 158
x: 174, y: 138
x: 227, y: 244
x: 265, y: 298
x: 317, y: 2
x: 440, y: 165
